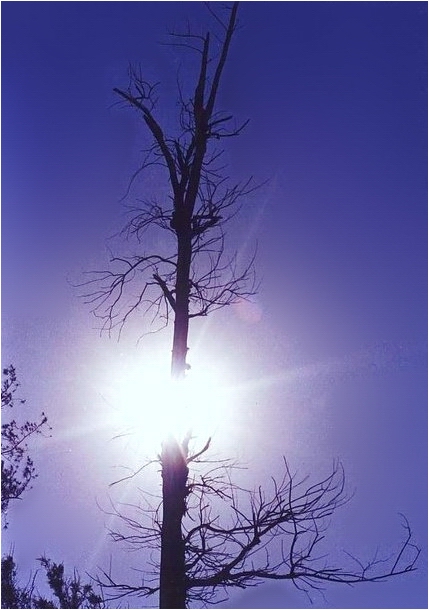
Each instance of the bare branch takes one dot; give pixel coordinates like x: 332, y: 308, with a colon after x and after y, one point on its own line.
x: 228, y: 529
x: 192, y: 273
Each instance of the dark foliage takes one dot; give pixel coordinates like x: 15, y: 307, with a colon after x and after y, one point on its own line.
x: 18, y: 471
x: 69, y: 592
x: 12, y: 595
x: 17, y: 467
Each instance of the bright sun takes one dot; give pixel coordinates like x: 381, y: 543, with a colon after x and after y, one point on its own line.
x: 145, y: 400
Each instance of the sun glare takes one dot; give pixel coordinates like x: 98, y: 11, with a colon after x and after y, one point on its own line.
x: 145, y: 400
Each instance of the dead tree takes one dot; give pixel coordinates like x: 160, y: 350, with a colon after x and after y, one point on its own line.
x: 194, y: 278
x: 191, y: 276
x: 236, y: 538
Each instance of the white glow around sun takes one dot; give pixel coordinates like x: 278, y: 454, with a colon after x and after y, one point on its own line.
x: 144, y: 401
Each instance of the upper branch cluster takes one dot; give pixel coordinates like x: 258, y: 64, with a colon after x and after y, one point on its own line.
x: 192, y: 216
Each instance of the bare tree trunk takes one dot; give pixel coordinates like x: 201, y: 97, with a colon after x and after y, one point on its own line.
x: 173, y: 588
x: 174, y: 455
x: 181, y: 315
x: 174, y: 491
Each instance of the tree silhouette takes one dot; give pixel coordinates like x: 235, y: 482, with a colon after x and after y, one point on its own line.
x: 18, y: 472
x: 17, y: 467
x: 236, y: 538
x: 268, y: 534
x: 191, y: 275
x: 195, y: 278
x: 70, y: 592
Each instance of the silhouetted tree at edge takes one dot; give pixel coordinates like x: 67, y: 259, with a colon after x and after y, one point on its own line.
x: 18, y: 472
x: 200, y: 551
x: 69, y: 592
x: 17, y: 467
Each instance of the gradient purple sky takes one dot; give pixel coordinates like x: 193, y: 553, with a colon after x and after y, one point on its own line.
x: 335, y: 364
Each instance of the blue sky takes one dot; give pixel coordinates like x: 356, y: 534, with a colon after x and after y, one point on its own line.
x: 334, y: 364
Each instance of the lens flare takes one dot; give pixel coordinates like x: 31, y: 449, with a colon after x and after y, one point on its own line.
x: 145, y: 400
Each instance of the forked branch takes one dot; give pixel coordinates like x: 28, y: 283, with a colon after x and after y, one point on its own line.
x: 235, y: 538
x: 191, y: 273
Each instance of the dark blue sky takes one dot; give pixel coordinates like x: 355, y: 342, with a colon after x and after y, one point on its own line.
x: 335, y: 364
